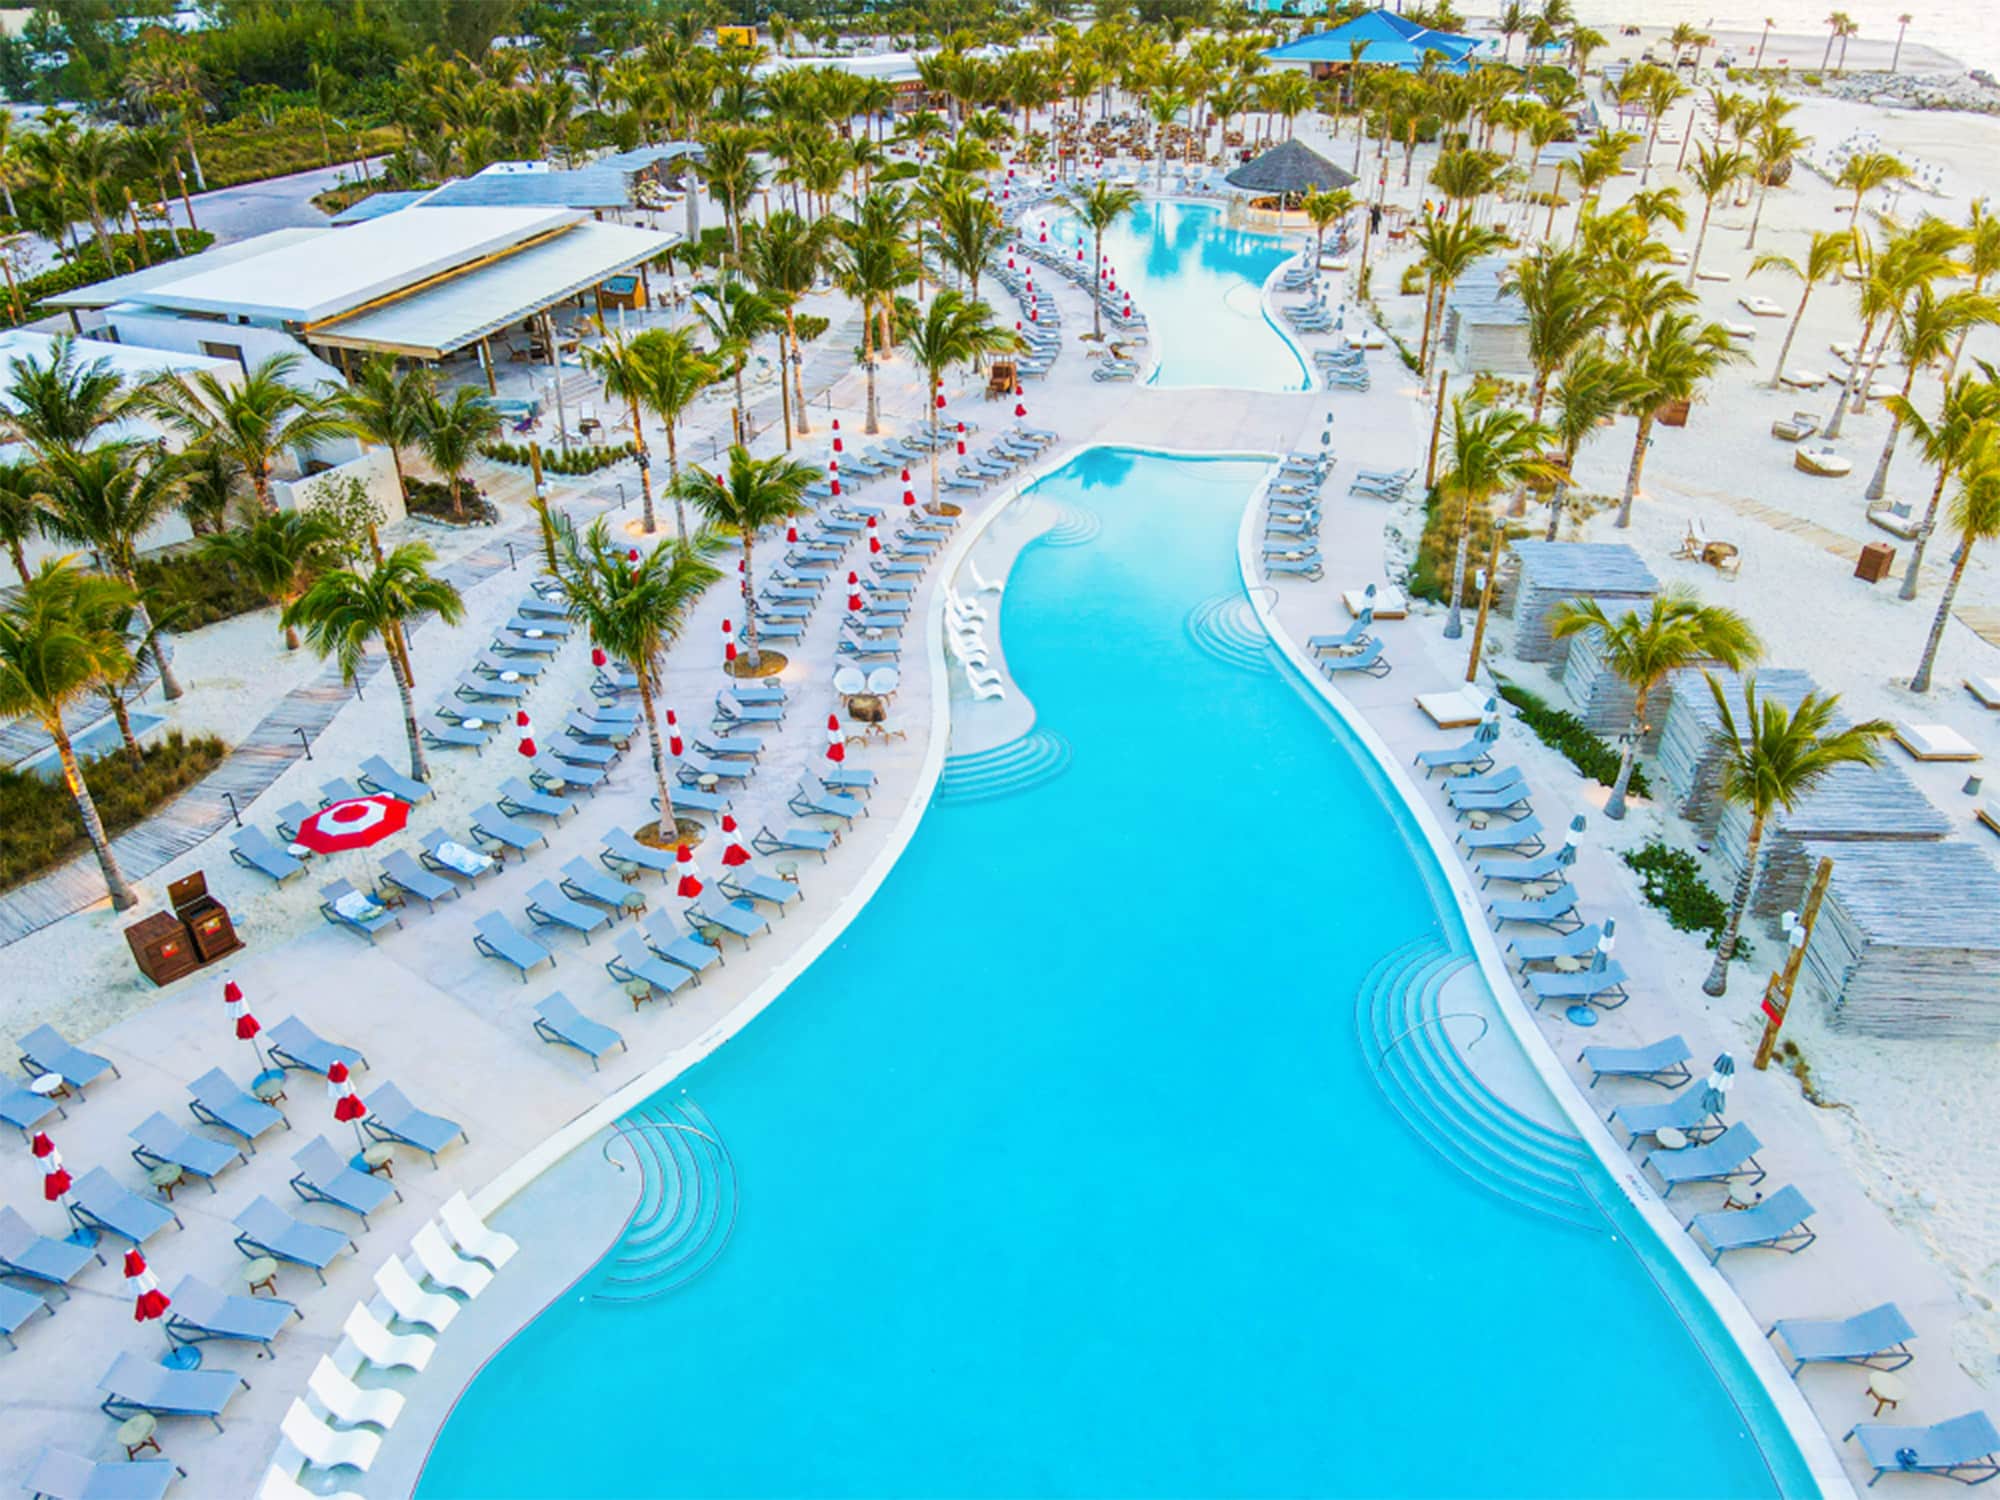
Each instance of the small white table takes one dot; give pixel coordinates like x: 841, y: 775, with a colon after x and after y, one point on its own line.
x: 48, y: 1085
x: 1670, y: 1139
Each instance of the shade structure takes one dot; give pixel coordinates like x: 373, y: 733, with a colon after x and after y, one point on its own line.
x: 1290, y: 168
x: 354, y: 823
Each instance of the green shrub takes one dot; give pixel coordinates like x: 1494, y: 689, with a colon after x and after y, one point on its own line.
x: 434, y: 502
x: 1565, y: 732
x: 203, y: 585
x: 1437, y: 550
x: 810, y: 326
x: 586, y: 459
x: 247, y: 150
x: 1811, y: 80
x: 1671, y: 879
x: 90, y: 266
x: 1412, y: 284
x: 39, y: 825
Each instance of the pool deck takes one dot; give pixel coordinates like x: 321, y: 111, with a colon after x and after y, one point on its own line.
x: 451, y: 1027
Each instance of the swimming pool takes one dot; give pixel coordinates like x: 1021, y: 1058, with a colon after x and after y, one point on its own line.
x: 1200, y: 284
x: 1064, y: 1172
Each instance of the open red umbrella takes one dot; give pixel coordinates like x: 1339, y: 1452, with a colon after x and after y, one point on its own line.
x: 836, y: 746
x: 733, y: 852
x: 354, y: 823
x: 688, y: 884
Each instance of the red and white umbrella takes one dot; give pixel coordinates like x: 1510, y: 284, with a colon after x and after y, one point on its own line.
x: 728, y: 642
x: 354, y: 823
x: 940, y: 395
x: 241, y: 1020
x: 874, y: 544
x: 673, y: 734
x: 55, y: 1177
x: 833, y: 477
x: 597, y: 656
x: 148, y: 1301
x: 836, y: 746
x: 347, y: 1105
x: 791, y: 534
x: 836, y: 435
x: 733, y: 852
x: 1034, y: 315
x: 527, y: 744
x: 1079, y: 252
x: 688, y: 884
x: 909, y: 496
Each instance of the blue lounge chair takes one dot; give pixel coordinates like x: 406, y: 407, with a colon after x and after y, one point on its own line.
x: 43, y: 1050
x: 1778, y: 1223
x: 56, y: 1475
x: 748, y: 884
x: 324, y: 1176
x: 477, y: 689
x: 340, y: 789
x: 25, y: 1109
x: 98, y: 1202
x: 1663, y: 1062
x: 359, y: 911
x: 595, y: 732
x: 1500, y: 779
x: 1368, y: 661
x: 219, y: 1102
x: 1540, y: 948
x: 1523, y: 836
x: 199, y: 1313
x: 1355, y: 636
x: 551, y: 774
x: 575, y: 752
x: 1299, y: 567
x: 1511, y: 801
x: 133, y: 1385
x: 158, y: 1142
x: 1556, y: 910
x: 538, y: 608
x: 1962, y: 1448
x: 685, y: 949
x: 16, y: 1308
x: 636, y: 964
x: 692, y: 799
x: 584, y: 882
x: 295, y: 1045
x: 1687, y: 1112
x: 1551, y: 862
x: 739, y: 917
x: 494, y: 936
x: 291, y: 816
x: 263, y: 1228
x: 1730, y: 1155
x: 520, y: 668
x: 401, y: 870
x: 36, y: 1257
x: 250, y: 849
x: 731, y: 746
x: 611, y: 713
x: 442, y: 734
x: 694, y: 765
x: 560, y: 1023
x: 795, y: 841
x: 732, y: 708
x: 556, y: 629
x: 1602, y: 985
x: 377, y: 775
x: 1878, y: 1339
x: 492, y: 826
x: 807, y: 799
x: 846, y: 778
x: 623, y: 852
x: 391, y: 1117
x: 549, y: 907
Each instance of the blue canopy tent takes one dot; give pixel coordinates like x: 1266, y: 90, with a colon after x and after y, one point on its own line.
x: 1387, y: 40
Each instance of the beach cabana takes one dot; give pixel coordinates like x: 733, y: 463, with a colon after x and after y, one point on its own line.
x: 1386, y: 39
x: 1486, y: 322
x: 1599, y: 696
x: 1550, y: 572
x: 1889, y: 958
x: 1854, y: 806
x: 1689, y: 760
x: 1287, y: 172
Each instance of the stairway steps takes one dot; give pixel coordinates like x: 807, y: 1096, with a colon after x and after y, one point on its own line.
x: 1226, y: 629
x: 1033, y: 760
x: 687, y: 1203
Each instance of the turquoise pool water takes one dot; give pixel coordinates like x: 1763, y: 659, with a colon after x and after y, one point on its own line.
x: 1200, y: 285
x: 1063, y: 1172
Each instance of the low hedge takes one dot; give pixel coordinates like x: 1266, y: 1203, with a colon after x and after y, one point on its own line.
x: 587, y: 459
x: 91, y: 266
x: 39, y: 824
x: 1672, y: 882
x: 201, y: 584
x: 1564, y: 731
x: 434, y: 502
x: 247, y: 150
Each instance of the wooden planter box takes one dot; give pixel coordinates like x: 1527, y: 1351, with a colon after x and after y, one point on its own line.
x: 1673, y: 414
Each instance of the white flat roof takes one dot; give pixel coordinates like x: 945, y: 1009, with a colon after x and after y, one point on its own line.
x: 335, y: 271
x: 467, y: 308
x: 130, y: 362
x: 133, y: 286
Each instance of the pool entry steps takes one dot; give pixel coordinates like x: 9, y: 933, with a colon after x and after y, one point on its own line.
x: 687, y: 1202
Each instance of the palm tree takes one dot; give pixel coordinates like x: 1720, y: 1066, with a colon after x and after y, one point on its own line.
x: 1676, y: 631
x: 1768, y: 764
x: 450, y: 432
x: 345, y: 609
x: 953, y: 330
x: 1661, y: 90
x: 677, y: 371
x: 1861, y: 174
x: 1594, y: 385
x: 253, y: 422
x: 107, y: 499
x: 873, y: 265
x: 1714, y: 173
x: 736, y: 317
x: 386, y: 404
x: 1493, y: 449
x: 1447, y: 248
x: 753, y: 493
x: 634, y: 611
x: 1324, y: 210
x: 1565, y: 308
x: 1100, y: 205
x: 786, y: 256
x: 23, y: 511
x: 56, y: 647
x: 1773, y: 144
x: 728, y: 165
x: 970, y: 232
x: 1926, y: 329
x: 1968, y: 412
x: 1825, y: 260
x: 1673, y: 358
x: 61, y: 404
x: 626, y: 378
x: 1975, y: 516
x: 279, y: 555
x: 1902, y: 25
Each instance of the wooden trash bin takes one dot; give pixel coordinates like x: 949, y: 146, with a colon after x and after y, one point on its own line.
x: 206, y: 919
x: 1000, y: 379
x: 1876, y: 559
x: 161, y: 947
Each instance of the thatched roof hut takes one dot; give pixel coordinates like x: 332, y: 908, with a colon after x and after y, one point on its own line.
x: 1289, y: 170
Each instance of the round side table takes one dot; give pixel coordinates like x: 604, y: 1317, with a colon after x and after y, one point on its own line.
x: 1885, y: 1390
x: 1671, y: 1139
x: 269, y: 1087
x: 380, y: 1157
x: 135, y: 1435
x: 261, y: 1274
x: 165, y: 1178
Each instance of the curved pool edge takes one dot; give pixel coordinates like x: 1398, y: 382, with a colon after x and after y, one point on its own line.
x: 1812, y: 1441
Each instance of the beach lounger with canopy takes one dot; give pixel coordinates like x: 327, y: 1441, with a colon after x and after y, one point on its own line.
x: 559, y: 1023
x: 1557, y: 909
x: 1877, y: 1339
x: 296, y: 1046
x: 160, y: 1142
x: 409, y: 1301
x: 621, y: 852
x: 1962, y: 1448
x: 472, y: 1235
x: 358, y: 911
x: 43, y: 1050
x: 56, y: 1475
x: 496, y: 937
x: 263, y: 1228
x: 635, y: 964
x: 794, y: 841
x: 199, y: 1313
x: 16, y: 1308
x: 98, y: 1202
x: 324, y: 1176
x: 133, y: 1385
x: 446, y: 1266
x: 323, y: 1447
x: 683, y: 948
x: 401, y: 870
x: 549, y: 907
x: 219, y: 1102
x: 350, y: 1404
x: 1730, y: 1155
x: 250, y: 849
x: 1796, y: 428
x: 380, y: 1347
x: 391, y: 1117
x: 36, y: 1257
x: 1663, y: 1062
x: 1688, y: 1111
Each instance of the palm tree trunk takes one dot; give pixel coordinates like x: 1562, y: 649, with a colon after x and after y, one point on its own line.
x: 1634, y: 469
x: 123, y: 717
x: 1628, y: 757
x: 669, y: 825
x: 122, y: 897
x: 20, y: 559
x: 750, y: 602
x: 645, y: 469
x: 1921, y: 683
x: 1424, y: 334
x: 1556, y: 497
x: 1718, y: 974
x: 1846, y: 385
x: 1096, y: 302
x: 1555, y: 197
x: 742, y: 413
x: 1923, y: 536
x: 1867, y: 382
x: 1757, y: 214
x: 405, y: 688
x: 1646, y: 168
x: 784, y: 393
x: 934, y: 450
x: 1778, y: 370
x: 1454, y: 626
x: 1880, y: 482
x: 1700, y: 235
x: 674, y: 482
x: 874, y: 423
x: 798, y: 374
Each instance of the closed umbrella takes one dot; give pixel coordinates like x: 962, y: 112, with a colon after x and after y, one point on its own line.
x: 347, y: 1105
x: 55, y: 1177
x: 836, y: 746
x: 243, y: 1022
x: 673, y: 734
x: 688, y: 884
x: 733, y: 852
x: 836, y: 435
x: 527, y: 744
x: 148, y: 1301
x: 1715, y: 1088
x: 728, y: 643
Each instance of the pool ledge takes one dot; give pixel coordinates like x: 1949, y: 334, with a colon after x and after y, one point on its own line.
x: 1814, y: 1443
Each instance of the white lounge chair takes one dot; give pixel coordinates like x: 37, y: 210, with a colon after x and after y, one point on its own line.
x: 1934, y: 742
x: 390, y: 1351
x: 444, y: 1266
x: 410, y: 1302
x: 1985, y: 689
x: 323, y: 1446
x: 469, y: 1232
x: 349, y: 1403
